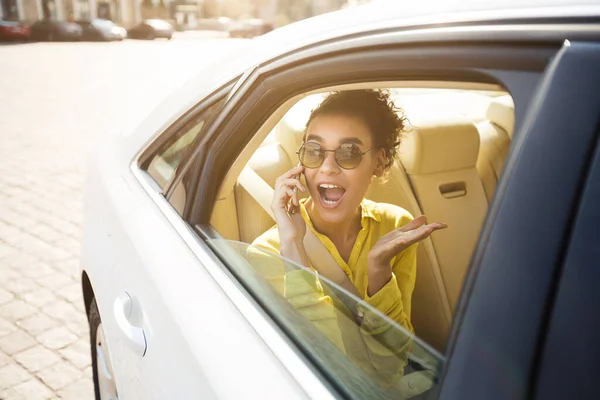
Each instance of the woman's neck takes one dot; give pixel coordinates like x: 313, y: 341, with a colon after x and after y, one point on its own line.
x: 339, y: 233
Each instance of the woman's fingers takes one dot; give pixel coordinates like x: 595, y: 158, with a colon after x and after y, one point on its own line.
x: 290, y: 182
x: 414, y: 224
x: 294, y: 171
x: 423, y: 231
x: 406, y: 238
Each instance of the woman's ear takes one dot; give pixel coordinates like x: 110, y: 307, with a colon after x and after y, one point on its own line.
x: 380, y: 163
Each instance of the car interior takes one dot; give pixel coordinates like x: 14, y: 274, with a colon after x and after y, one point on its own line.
x: 450, y: 160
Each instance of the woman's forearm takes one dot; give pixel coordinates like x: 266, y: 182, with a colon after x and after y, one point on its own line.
x: 379, y: 275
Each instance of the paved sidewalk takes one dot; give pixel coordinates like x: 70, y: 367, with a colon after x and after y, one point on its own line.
x: 59, y: 100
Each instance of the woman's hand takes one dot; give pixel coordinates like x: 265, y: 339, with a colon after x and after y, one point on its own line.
x: 398, y: 240
x: 286, y: 207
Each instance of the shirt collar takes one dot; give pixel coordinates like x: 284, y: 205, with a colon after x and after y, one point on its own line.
x: 368, y: 210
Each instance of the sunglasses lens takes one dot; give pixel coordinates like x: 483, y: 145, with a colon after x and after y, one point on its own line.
x: 311, y: 155
x: 348, y: 156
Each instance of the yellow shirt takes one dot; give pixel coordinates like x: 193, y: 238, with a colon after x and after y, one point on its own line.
x: 393, y: 300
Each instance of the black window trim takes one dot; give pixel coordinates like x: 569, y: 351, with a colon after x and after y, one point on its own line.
x: 145, y: 156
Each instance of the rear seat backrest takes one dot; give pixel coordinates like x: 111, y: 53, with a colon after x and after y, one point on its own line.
x: 431, y: 314
x: 269, y: 162
x: 495, y: 135
x: 439, y: 157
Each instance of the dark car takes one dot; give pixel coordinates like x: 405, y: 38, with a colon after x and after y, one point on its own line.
x: 52, y: 30
x: 101, y: 29
x: 151, y: 29
x: 13, y: 31
x: 249, y: 28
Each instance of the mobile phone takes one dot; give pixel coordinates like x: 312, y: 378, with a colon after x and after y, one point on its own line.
x: 292, y: 208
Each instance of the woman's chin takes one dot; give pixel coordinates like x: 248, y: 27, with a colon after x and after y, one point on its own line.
x: 335, y: 213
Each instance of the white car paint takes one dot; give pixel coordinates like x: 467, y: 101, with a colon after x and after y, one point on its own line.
x: 204, y: 337
x: 178, y: 300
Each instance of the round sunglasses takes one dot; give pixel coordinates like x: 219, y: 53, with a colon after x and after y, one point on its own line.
x: 347, y: 156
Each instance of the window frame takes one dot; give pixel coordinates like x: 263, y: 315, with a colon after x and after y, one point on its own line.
x: 259, y: 90
x: 266, y: 86
x: 166, y: 136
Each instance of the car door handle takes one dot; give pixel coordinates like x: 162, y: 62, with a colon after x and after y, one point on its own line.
x: 134, y: 336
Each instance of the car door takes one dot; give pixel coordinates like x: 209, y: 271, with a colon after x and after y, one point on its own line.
x: 516, y: 268
x: 570, y: 352
x: 509, y: 286
x: 144, y: 339
x: 171, y: 330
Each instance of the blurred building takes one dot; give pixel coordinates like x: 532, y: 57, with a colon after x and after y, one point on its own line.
x: 276, y: 12
x: 185, y: 13
x: 124, y: 12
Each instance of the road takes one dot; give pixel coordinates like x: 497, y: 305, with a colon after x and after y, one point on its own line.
x: 58, y: 101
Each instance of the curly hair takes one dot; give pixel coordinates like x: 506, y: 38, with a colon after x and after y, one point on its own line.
x: 375, y: 108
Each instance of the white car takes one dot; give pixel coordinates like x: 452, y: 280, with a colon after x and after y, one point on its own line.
x: 504, y: 107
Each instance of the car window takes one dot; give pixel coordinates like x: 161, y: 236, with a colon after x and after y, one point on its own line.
x: 424, y: 179
x: 449, y: 162
x: 164, y: 163
x: 364, y: 353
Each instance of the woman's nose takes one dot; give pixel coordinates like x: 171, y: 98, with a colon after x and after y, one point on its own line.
x: 330, y: 166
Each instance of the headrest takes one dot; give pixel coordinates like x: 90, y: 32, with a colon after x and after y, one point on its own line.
x: 289, y: 138
x: 440, y: 145
x: 501, y: 112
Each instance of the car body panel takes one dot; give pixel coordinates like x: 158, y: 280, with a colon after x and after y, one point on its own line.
x: 204, y: 335
x: 179, y: 299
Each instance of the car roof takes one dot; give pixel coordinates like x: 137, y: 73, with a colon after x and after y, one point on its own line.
x: 393, y: 14
x: 379, y: 15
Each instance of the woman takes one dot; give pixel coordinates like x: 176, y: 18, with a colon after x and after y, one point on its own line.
x: 350, y: 138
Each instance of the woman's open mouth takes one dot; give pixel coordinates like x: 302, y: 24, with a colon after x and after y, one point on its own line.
x: 330, y: 194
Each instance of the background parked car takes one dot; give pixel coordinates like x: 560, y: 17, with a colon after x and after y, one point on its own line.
x: 249, y: 28
x: 52, y: 30
x: 151, y: 29
x: 14, y: 31
x: 101, y: 29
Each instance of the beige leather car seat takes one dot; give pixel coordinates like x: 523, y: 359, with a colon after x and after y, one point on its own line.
x: 495, y: 134
x: 269, y: 162
x: 439, y: 157
x: 439, y: 276
x: 431, y: 315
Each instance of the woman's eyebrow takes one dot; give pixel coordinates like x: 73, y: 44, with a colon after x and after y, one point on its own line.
x: 316, y: 138
x: 351, y: 140
x: 313, y: 137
